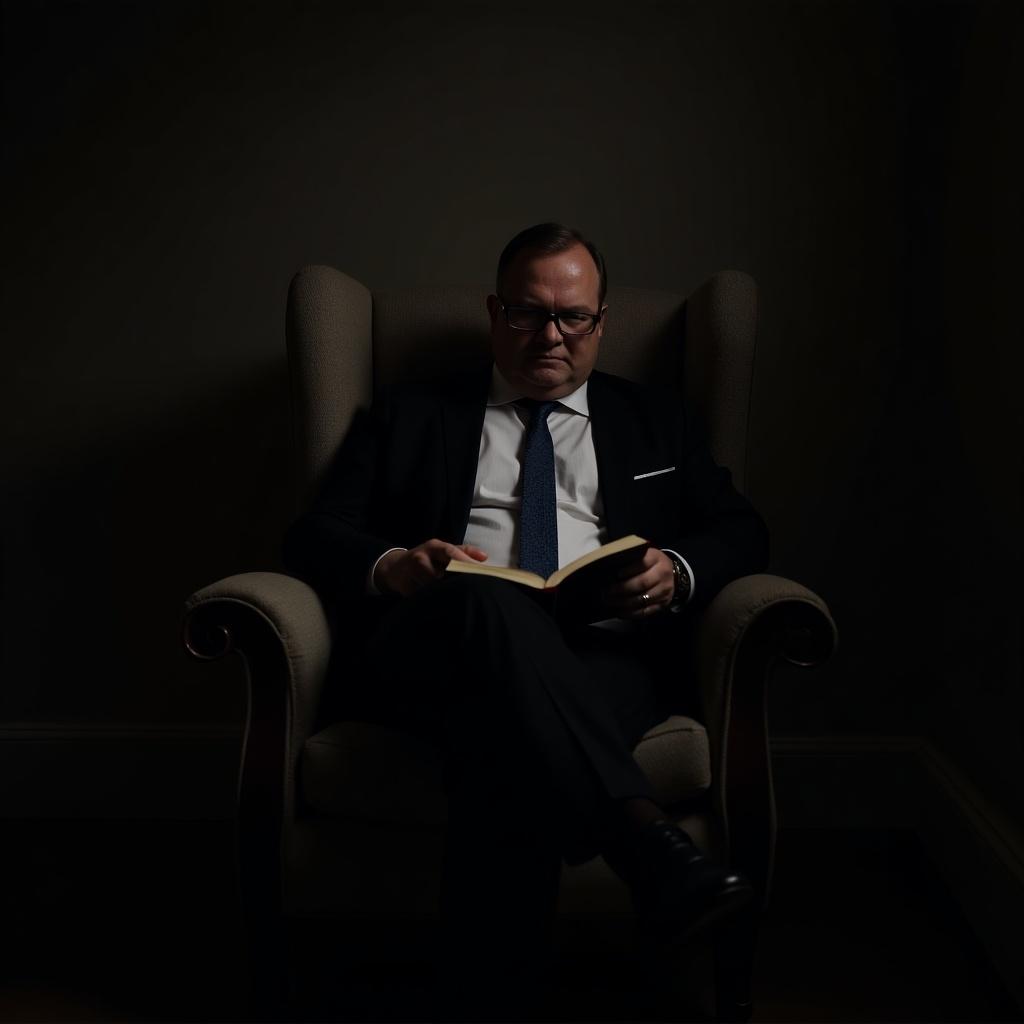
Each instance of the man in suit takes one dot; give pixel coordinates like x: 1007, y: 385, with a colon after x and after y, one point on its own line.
x: 534, y: 462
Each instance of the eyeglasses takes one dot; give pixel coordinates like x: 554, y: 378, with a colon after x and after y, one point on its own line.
x: 530, y: 318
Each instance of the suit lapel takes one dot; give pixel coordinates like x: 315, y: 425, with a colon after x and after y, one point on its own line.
x: 463, y: 419
x: 610, y: 424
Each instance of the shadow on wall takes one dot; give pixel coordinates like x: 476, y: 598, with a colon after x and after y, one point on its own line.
x: 109, y: 537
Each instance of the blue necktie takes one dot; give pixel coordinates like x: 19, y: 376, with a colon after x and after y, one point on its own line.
x: 538, y: 523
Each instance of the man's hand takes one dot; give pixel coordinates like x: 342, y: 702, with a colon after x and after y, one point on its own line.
x: 403, y: 572
x: 651, y: 575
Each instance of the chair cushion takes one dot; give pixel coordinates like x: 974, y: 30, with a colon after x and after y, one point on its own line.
x: 376, y: 773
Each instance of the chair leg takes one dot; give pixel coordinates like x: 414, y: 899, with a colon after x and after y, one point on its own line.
x: 734, y: 968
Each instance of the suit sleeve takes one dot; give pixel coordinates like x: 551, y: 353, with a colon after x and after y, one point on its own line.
x: 332, y: 546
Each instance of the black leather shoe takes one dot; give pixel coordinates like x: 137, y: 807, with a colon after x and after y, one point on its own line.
x: 678, y: 893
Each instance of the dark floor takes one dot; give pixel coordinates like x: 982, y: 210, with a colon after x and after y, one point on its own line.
x: 137, y: 921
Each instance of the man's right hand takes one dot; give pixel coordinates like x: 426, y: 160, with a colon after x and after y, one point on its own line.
x: 403, y: 572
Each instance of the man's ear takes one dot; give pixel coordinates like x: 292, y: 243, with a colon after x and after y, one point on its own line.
x: 493, y: 308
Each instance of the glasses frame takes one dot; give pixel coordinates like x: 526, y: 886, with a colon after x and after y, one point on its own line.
x: 595, y: 320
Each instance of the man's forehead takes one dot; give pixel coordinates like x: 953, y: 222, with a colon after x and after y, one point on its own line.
x: 573, y: 262
x: 536, y: 276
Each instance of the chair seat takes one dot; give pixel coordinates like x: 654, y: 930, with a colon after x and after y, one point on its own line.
x: 375, y: 773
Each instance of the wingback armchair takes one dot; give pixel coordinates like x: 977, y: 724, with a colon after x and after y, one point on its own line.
x: 319, y: 801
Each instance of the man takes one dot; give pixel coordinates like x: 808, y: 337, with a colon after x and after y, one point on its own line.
x: 534, y: 463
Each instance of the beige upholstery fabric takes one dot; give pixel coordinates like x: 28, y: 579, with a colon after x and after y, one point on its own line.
x: 296, y: 616
x: 675, y: 758
x: 330, y: 358
x: 376, y: 773
x: 372, y: 773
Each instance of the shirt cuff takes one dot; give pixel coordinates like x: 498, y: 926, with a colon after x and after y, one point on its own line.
x: 689, y: 572
x: 371, y: 587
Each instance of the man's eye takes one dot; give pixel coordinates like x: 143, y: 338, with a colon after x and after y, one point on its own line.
x: 573, y: 318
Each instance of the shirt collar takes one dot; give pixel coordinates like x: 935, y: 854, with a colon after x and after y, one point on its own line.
x: 503, y: 393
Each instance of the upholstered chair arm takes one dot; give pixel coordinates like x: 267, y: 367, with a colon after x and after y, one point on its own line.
x: 278, y: 625
x: 753, y: 624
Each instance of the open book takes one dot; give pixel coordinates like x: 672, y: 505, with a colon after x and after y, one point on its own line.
x: 570, y: 592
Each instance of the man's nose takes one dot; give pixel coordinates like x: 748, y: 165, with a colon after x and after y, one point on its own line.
x: 551, y: 333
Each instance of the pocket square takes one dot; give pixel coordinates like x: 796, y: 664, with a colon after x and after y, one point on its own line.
x: 654, y: 472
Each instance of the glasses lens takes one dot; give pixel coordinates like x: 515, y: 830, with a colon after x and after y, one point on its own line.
x: 576, y: 323
x: 526, y: 319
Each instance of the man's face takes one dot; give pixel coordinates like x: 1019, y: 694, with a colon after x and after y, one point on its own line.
x: 544, y: 363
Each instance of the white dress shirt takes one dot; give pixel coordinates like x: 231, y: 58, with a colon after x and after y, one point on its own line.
x: 497, y: 492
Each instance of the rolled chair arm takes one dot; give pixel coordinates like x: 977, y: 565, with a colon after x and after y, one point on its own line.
x: 794, y: 621
x: 753, y: 623
x: 278, y: 625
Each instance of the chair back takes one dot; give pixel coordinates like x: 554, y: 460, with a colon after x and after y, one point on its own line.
x: 344, y: 342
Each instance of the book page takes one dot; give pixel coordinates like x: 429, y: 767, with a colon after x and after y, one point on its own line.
x: 622, y: 544
x: 501, y: 572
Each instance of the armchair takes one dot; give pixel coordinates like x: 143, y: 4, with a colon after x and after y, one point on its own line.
x: 318, y: 802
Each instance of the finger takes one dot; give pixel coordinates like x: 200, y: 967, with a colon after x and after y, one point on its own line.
x: 652, y: 598
x: 474, y: 552
x: 654, y: 557
x: 456, y: 554
x: 631, y: 587
x: 643, y: 609
x: 631, y: 604
x: 631, y: 569
x: 433, y: 555
x: 616, y: 594
x: 439, y: 553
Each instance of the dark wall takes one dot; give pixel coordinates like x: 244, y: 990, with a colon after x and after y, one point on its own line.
x: 169, y: 166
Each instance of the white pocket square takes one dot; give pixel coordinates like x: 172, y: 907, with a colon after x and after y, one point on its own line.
x: 654, y: 472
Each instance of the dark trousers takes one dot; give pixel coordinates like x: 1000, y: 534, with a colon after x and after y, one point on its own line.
x: 537, y: 725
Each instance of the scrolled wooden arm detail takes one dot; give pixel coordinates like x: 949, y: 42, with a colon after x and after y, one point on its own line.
x: 205, y: 633
x: 800, y: 632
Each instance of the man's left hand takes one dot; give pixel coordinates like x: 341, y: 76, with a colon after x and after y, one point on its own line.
x: 652, y: 576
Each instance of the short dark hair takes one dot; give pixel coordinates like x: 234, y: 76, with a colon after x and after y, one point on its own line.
x: 548, y: 239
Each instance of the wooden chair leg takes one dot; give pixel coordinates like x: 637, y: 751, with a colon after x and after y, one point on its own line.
x: 734, y: 968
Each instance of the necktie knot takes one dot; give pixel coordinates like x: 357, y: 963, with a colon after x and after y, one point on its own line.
x: 538, y: 410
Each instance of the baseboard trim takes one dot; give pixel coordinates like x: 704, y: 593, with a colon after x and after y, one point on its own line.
x: 121, y: 770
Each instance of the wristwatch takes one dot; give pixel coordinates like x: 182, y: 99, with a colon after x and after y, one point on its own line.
x: 682, y: 581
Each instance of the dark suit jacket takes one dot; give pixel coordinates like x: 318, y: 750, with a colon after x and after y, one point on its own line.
x: 406, y: 471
